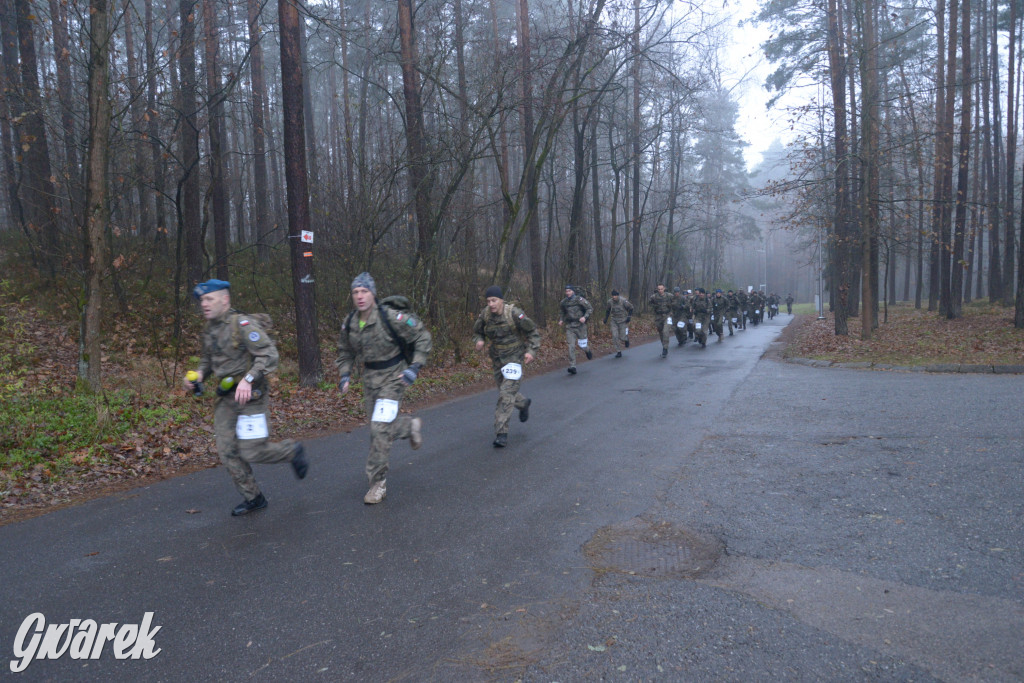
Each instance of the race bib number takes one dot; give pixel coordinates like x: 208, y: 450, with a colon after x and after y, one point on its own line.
x: 681, y: 325
x: 252, y: 427
x: 712, y: 318
x: 669, y: 321
x: 582, y: 343
x: 384, y: 410
x: 757, y: 310
x: 512, y: 371
x: 627, y: 331
x: 734, y: 321
x: 697, y: 325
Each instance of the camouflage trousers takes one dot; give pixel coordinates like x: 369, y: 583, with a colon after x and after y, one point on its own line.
x: 664, y: 329
x: 680, y: 332
x: 236, y: 452
x: 700, y: 334
x: 620, y: 333
x: 572, y: 334
x: 509, y: 399
x: 383, y: 434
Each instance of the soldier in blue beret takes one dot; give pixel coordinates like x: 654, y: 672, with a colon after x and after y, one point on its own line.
x: 238, y: 354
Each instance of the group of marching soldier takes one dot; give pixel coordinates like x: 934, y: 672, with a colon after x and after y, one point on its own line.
x: 392, y: 345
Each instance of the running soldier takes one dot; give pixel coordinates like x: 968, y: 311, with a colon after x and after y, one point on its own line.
x: 661, y: 305
x: 576, y: 311
x: 701, y: 316
x: 620, y: 311
x: 680, y: 312
x: 514, y: 343
x: 720, y: 313
x: 238, y: 354
x: 394, y: 345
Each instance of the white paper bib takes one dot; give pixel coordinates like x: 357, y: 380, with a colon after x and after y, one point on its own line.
x: 512, y: 371
x: 384, y: 410
x: 252, y: 427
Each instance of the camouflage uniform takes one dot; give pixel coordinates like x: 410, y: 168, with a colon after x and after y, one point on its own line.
x: 733, y: 311
x: 573, y: 308
x: 744, y: 302
x: 755, y: 307
x: 720, y: 314
x: 680, y: 313
x: 620, y: 314
x: 383, y: 364
x: 234, y: 345
x: 701, y: 314
x: 512, y: 335
x: 661, y: 305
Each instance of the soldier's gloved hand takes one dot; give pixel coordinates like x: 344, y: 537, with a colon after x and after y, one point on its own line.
x: 606, y: 320
x: 410, y: 373
x: 343, y: 384
x: 628, y: 318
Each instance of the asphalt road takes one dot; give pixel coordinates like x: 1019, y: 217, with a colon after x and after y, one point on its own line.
x: 712, y: 516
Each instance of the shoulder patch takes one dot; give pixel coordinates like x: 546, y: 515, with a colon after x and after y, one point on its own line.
x: 254, y: 336
x: 411, y: 322
x: 399, y: 317
x: 243, y: 323
x: 522, y: 315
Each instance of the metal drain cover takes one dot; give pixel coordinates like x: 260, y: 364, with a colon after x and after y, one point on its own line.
x: 657, y: 549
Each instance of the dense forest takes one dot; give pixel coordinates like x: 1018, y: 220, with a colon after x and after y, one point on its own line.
x: 445, y: 146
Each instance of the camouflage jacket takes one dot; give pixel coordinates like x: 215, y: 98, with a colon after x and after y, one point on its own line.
x: 374, y: 344
x: 720, y: 304
x: 618, y: 312
x: 234, y: 345
x: 573, y: 308
x: 701, y: 307
x: 510, y: 333
x: 680, y: 307
x: 661, y: 304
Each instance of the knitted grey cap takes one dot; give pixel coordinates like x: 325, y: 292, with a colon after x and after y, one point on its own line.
x: 365, y: 280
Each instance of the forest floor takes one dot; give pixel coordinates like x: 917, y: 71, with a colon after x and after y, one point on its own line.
x: 61, y: 447
x: 984, y: 335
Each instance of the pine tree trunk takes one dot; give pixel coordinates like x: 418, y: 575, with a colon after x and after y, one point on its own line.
x: 97, y: 213
x: 303, y: 285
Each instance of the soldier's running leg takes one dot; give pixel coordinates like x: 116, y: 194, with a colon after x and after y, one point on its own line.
x: 570, y: 339
x: 225, y: 417
x: 386, y: 428
x: 509, y: 399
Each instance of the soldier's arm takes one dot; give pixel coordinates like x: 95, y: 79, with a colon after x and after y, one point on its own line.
x: 628, y: 306
x: 529, y: 328
x: 345, y: 356
x: 589, y: 308
x: 478, y: 330
x: 205, y: 358
x: 262, y: 349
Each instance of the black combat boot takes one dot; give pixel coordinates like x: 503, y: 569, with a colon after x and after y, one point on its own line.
x: 627, y: 343
x: 524, y: 412
x: 664, y: 352
x: 590, y: 355
x: 247, y: 506
x: 618, y: 354
x: 299, y: 463
x: 501, y: 440
x: 572, y: 371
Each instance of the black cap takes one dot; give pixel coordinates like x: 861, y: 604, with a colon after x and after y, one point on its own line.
x: 494, y: 290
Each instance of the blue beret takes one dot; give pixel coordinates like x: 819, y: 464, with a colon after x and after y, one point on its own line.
x: 210, y: 286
